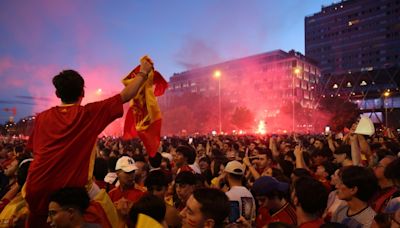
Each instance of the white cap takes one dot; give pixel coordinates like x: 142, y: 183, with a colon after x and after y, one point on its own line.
x: 234, y: 167
x: 365, y: 126
x: 126, y: 164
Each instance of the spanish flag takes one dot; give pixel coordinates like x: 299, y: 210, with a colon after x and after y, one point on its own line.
x: 144, y: 116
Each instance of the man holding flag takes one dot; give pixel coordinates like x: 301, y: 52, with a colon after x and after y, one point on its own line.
x: 64, y: 137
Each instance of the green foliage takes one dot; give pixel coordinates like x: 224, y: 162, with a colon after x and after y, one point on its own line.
x: 342, y: 113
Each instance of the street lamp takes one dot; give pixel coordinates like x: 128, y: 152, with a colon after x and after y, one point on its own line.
x: 386, y: 94
x: 217, y: 75
x: 296, y: 72
x: 99, y: 92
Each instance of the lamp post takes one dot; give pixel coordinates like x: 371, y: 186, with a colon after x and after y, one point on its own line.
x: 217, y: 75
x: 386, y: 95
x: 296, y: 72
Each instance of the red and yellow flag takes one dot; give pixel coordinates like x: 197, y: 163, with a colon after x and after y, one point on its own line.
x: 144, y: 116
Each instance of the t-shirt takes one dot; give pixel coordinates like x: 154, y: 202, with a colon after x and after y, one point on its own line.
x: 393, y: 205
x: 381, y: 200
x: 131, y: 194
x: 63, y: 141
x: 286, y: 214
x: 312, y: 224
x: 185, y: 168
x: 333, y: 204
x: 245, y: 200
x: 362, y: 219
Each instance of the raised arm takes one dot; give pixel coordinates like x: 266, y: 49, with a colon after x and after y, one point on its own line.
x: 273, y: 147
x: 364, y: 145
x: 355, y: 150
x: 133, y: 87
x: 253, y: 171
x: 298, y: 153
x: 331, y: 144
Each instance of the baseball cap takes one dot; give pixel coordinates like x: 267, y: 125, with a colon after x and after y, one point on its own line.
x: 234, y: 167
x: 126, y: 164
x: 267, y: 184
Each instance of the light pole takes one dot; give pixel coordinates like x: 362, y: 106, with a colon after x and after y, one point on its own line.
x: 386, y: 95
x: 217, y: 75
x: 296, y: 72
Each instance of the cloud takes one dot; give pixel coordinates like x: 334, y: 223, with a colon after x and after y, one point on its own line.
x: 195, y: 53
x: 229, y: 31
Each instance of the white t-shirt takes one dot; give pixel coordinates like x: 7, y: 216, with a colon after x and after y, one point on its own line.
x: 361, y: 219
x: 247, y: 205
x: 333, y: 204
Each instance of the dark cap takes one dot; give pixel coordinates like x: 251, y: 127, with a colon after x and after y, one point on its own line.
x: 267, y: 184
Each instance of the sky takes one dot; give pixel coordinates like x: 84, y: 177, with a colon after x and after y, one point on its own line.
x: 104, y: 40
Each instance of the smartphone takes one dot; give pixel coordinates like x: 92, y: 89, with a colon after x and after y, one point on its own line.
x: 190, y: 140
x: 327, y: 130
x: 234, y: 212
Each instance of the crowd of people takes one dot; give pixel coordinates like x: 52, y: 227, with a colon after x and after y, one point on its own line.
x: 215, y: 181
x: 65, y: 176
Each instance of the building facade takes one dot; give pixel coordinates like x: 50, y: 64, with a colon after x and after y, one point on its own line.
x: 354, y: 36
x: 356, y: 44
x: 265, y: 83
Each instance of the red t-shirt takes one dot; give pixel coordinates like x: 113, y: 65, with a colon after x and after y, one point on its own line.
x: 62, y: 141
x: 131, y: 194
x: 312, y: 224
x: 381, y: 199
x: 287, y: 214
x: 186, y: 168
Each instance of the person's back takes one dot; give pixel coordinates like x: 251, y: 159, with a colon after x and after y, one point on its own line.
x: 241, y: 200
x: 246, y: 200
x: 63, y: 139
x: 309, y: 197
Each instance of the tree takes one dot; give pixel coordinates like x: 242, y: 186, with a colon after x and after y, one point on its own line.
x: 341, y: 113
x: 177, y: 119
x: 302, y: 116
x: 242, y: 118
